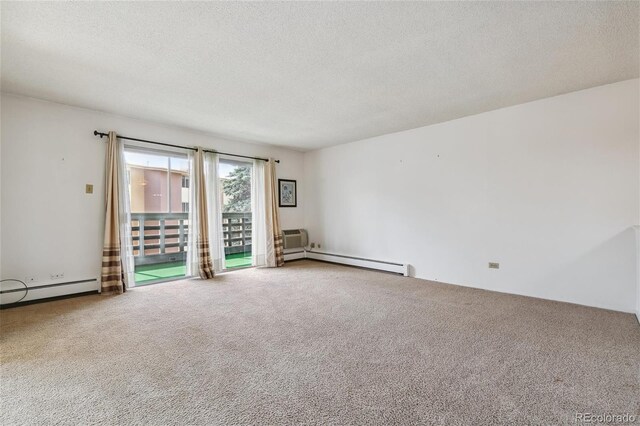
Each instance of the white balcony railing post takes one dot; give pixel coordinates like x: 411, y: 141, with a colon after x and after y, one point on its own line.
x: 141, y: 235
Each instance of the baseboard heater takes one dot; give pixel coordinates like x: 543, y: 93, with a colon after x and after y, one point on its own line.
x: 381, y: 265
x: 10, y: 296
x: 294, y: 255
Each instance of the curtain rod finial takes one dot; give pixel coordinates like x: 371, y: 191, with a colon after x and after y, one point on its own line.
x: 95, y: 133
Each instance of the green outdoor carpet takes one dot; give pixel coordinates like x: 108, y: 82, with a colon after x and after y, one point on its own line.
x: 145, y: 274
x: 148, y: 273
x: 238, y: 260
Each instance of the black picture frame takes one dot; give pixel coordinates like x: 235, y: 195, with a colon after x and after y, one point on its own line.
x: 287, y: 193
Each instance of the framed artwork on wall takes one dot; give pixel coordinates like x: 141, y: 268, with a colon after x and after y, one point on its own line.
x: 287, y: 193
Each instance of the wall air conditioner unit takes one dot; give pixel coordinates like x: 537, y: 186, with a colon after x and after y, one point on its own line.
x: 294, y: 238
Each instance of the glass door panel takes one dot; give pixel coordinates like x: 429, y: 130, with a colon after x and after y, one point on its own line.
x: 159, y: 196
x: 235, y: 179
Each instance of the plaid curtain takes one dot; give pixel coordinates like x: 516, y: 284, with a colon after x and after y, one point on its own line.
x: 112, y: 274
x: 275, y: 250
x: 205, y: 265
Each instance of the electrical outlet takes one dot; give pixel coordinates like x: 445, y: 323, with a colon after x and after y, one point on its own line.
x: 494, y: 265
x: 88, y: 188
x: 319, y: 245
x: 313, y: 245
x: 30, y: 280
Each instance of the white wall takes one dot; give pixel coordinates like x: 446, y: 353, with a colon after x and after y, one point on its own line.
x: 549, y: 189
x: 0, y: 190
x: 49, y: 153
x: 637, y: 228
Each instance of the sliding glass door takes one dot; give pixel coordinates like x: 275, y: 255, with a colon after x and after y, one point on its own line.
x: 235, y: 184
x: 159, y: 191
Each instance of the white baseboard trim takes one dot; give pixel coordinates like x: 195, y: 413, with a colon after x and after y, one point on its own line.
x: 47, y: 291
x: 294, y: 255
x: 381, y: 265
x: 89, y: 285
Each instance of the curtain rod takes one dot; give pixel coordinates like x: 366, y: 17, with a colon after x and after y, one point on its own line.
x: 97, y: 133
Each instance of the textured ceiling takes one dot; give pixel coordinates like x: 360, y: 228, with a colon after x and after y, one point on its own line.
x: 307, y: 75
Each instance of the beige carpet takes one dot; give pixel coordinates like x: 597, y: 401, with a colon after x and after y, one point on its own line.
x: 313, y: 343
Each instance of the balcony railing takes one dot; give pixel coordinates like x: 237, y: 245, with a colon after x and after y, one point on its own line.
x: 159, y: 237
x: 236, y: 230
x: 163, y: 237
